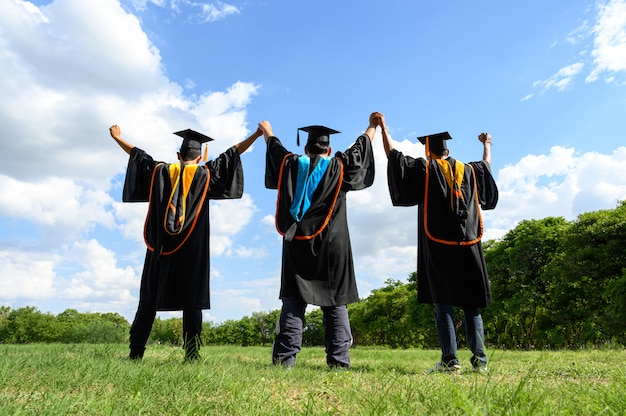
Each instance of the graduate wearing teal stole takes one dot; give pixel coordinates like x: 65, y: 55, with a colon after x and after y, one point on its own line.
x: 317, y: 265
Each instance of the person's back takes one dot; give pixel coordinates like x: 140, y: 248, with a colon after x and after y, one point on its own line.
x: 451, y: 265
x: 317, y: 265
x: 176, y: 232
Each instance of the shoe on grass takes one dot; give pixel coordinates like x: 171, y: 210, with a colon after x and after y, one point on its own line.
x: 446, y: 369
x: 482, y: 369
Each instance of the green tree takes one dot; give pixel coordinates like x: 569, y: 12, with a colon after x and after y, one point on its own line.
x: 93, y: 328
x: 249, y: 332
x: 227, y: 333
x: 384, y: 317
x: 168, y: 331
x: 266, y: 323
x: 28, y: 324
x: 615, y: 317
x: 421, y: 317
x: 313, y: 334
x: 517, y: 270
x: 589, y: 288
x: 4, y: 315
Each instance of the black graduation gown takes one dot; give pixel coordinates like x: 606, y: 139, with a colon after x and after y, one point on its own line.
x: 317, y: 264
x: 450, y: 261
x: 176, y: 269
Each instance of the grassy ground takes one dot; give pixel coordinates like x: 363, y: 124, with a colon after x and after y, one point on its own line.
x: 99, y: 380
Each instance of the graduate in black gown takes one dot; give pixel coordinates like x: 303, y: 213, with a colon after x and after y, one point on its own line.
x: 451, y: 268
x: 176, y: 232
x: 317, y: 265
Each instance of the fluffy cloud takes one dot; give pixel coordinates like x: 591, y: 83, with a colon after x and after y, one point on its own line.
x: 561, y: 183
x: 23, y: 276
x: 562, y: 79
x: 71, y: 69
x: 609, y: 51
x: 202, y: 12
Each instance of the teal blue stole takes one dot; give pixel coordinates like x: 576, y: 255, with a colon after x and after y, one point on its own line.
x: 306, y: 184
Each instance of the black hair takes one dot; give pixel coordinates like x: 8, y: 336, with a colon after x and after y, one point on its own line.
x: 187, y: 154
x: 317, y: 148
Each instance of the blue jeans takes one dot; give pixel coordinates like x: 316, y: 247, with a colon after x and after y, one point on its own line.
x: 288, y: 340
x: 444, y: 319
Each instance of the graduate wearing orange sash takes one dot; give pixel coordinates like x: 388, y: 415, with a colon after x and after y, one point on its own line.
x: 176, y: 231
x: 451, y: 268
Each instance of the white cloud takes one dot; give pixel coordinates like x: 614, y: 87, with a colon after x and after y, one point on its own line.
x: 212, y: 12
x: 130, y: 219
x: 562, y: 183
x: 250, y: 252
x: 269, y: 220
x: 223, y: 114
x: 376, y: 227
x: 60, y: 208
x: 207, y: 12
x: 258, y: 295
x: 609, y: 51
x: 562, y: 79
x: 100, y: 285
x: 229, y: 216
x: 26, y: 276
x: 608, y: 35
x: 71, y: 69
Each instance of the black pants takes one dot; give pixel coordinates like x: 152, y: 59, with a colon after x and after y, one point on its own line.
x: 142, y: 325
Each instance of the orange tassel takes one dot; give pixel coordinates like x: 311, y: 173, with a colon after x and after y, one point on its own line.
x: 205, y: 157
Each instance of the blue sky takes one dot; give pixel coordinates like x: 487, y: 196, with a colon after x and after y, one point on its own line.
x: 546, y: 79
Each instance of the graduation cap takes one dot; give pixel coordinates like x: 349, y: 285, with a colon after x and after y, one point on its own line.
x: 435, y: 142
x: 317, y: 134
x: 193, y: 140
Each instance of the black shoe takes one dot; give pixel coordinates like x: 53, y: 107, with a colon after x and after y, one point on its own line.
x: 191, y: 357
x: 136, y: 353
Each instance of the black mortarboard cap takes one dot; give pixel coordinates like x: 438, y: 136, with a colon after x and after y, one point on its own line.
x: 317, y: 134
x: 192, y: 139
x: 436, y: 142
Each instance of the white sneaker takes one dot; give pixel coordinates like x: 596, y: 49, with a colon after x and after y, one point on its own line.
x: 482, y: 369
x: 447, y: 369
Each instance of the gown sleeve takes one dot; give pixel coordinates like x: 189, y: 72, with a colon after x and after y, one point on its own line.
x: 226, y: 175
x: 274, y: 156
x: 487, y: 188
x: 358, y: 163
x: 405, y: 178
x: 138, y: 176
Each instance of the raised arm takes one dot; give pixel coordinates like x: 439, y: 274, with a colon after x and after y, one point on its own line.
x: 387, y: 142
x: 485, y: 139
x: 371, y: 128
x: 245, y: 144
x: 266, y: 129
x: 116, y: 133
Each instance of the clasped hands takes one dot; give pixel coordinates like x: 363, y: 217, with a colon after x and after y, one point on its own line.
x: 377, y: 119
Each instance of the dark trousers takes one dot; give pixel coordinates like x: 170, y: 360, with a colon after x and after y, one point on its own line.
x: 142, y: 325
x: 474, y: 331
x: 288, y: 340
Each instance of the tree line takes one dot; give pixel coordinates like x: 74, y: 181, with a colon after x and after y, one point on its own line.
x: 555, y: 284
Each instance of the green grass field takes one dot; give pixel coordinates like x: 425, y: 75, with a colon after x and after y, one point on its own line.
x: 99, y: 380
